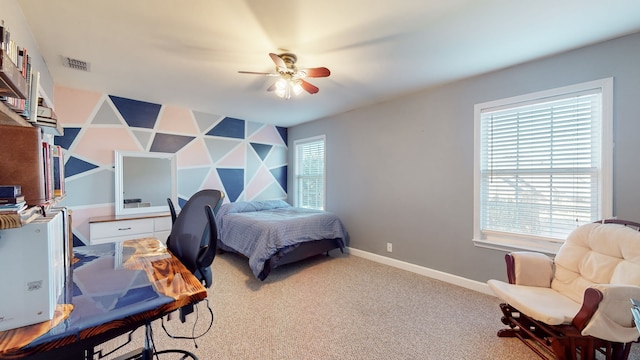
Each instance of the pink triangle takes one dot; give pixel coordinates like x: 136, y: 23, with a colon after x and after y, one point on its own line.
x: 234, y: 158
x: 260, y: 181
x: 213, y: 182
x: 267, y: 135
x: 177, y: 120
x: 194, y: 154
x: 73, y: 106
x: 93, y: 147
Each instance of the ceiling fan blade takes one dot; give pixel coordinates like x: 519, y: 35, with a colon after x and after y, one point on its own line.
x: 316, y: 72
x: 311, y: 89
x: 272, y: 87
x: 278, y: 60
x: 258, y: 73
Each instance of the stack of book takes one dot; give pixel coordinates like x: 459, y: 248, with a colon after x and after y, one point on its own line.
x: 13, y: 208
x: 47, y: 120
x: 46, y: 116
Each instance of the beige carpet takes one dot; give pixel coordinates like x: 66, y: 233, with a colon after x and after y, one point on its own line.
x: 340, y: 307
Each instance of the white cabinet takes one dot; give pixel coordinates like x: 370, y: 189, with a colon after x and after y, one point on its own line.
x: 162, y: 228
x: 35, y: 261
x: 107, y: 229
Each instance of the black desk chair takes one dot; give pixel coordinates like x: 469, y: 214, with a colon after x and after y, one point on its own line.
x: 194, y: 234
x: 172, y: 210
x: 209, y: 197
x: 194, y: 241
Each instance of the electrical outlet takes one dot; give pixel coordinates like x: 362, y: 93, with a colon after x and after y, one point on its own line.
x: 389, y: 247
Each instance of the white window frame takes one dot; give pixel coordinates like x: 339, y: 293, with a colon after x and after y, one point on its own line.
x: 298, y: 177
x: 512, y: 241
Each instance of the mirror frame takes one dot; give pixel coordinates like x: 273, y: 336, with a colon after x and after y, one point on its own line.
x: 119, y: 185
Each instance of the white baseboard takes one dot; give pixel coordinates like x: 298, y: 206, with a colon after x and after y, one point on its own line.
x: 421, y: 270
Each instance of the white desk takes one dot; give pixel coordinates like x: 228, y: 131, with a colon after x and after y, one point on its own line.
x: 106, y: 229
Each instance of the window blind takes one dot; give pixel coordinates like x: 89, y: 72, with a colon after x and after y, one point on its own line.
x: 540, y: 165
x: 310, y: 174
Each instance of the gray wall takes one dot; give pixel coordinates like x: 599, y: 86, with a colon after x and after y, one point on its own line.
x: 402, y: 171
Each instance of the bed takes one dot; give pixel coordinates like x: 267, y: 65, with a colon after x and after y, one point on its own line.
x: 272, y: 233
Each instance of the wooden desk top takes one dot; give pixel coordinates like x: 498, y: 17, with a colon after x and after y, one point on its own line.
x: 116, y: 285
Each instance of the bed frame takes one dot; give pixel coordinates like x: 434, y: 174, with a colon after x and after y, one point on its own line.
x: 294, y: 253
x: 299, y: 252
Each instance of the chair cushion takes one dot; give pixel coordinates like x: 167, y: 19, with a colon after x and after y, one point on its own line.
x: 532, y: 268
x: 597, y: 254
x: 612, y: 321
x: 540, y: 303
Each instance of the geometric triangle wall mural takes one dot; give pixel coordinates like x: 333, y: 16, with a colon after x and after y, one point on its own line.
x: 229, y: 127
x: 233, y: 182
x: 283, y: 134
x: 67, y: 139
x: 262, y: 149
x: 246, y: 159
x: 168, y: 143
x: 75, y: 166
x: 280, y: 174
x: 137, y: 113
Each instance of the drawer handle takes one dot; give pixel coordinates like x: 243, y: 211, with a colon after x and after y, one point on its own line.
x: 127, y: 228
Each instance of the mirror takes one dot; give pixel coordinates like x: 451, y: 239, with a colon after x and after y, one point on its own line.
x: 144, y: 181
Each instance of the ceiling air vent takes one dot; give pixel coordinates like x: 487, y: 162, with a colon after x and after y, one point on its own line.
x: 75, y: 64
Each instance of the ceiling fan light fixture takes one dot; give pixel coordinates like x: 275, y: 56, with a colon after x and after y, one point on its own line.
x: 282, y: 89
x: 290, y: 81
x: 285, y: 88
x: 297, y: 87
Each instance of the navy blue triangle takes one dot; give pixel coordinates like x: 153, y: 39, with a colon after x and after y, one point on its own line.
x: 137, y: 113
x: 283, y: 134
x: 76, y: 241
x: 229, y: 127
x: 67, y: 139
x: 262, y: 149
x: 280, y: 174
x: 75, y: 166
x: 233, y: 182
x: 168, y: 143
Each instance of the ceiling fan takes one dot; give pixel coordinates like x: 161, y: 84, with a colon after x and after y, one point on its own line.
x: 291, y: 78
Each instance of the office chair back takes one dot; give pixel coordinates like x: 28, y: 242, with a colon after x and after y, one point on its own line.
x: 174, y: 214
x: 194, y: 234
x: 172, y: 210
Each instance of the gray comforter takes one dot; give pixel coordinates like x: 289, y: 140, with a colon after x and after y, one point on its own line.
x: 259, y: 229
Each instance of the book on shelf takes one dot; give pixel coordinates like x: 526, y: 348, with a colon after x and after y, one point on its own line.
x: 48, y: 170
x: 17, y: 219
x: 9, y: 191
x: 33, y: 97
x: 11, y: 200
x: 13, y: 208
x: 58, y: 171
x: 46, y: 112
x: 46, y: 121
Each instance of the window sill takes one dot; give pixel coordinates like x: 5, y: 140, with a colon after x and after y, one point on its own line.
x: 508, y: 245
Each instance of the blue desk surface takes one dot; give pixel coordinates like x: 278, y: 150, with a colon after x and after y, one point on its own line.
x: 116, y: 281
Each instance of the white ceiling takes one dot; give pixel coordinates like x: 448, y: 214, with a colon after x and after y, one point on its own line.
x: 187, y: 53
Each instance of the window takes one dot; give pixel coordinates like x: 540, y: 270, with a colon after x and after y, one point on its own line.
x: 309, y: 162
x: 542, y: 166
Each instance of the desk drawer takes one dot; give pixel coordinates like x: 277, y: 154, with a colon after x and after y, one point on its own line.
x: 121, y: 228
